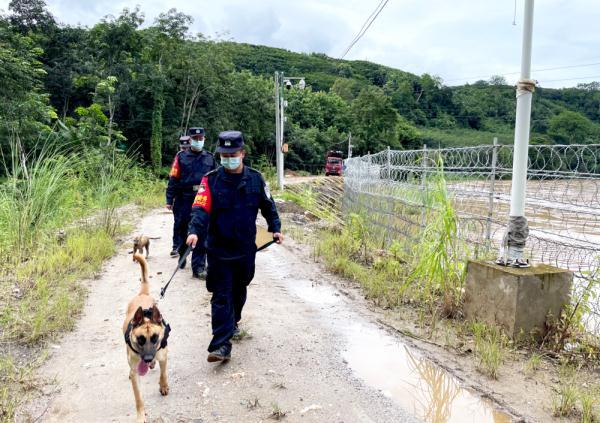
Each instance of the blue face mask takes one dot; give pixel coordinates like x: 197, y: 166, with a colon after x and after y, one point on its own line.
x: 231, y: 163
x: 197, y: 144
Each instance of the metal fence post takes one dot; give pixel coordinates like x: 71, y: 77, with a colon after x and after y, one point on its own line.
x: 488, y: 229
x: 424, y: 190
x: 389, y: 163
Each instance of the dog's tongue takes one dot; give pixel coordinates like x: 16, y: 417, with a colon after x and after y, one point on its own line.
x: 142, y: 368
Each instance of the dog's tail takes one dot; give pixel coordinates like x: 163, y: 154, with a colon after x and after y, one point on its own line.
x: 145, y: 288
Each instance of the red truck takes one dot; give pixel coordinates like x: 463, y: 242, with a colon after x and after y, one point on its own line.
x: 333, y: 163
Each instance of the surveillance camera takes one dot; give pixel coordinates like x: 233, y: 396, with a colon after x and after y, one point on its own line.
x: 288, y: 84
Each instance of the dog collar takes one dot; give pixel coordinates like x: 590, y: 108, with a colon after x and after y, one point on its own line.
x: 148, y: 314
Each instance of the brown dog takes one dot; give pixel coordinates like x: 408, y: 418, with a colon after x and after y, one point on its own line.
x: 146, y: 336
x: 139, y: 243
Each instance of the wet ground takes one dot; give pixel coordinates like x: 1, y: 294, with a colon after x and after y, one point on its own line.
x: 313, y: 353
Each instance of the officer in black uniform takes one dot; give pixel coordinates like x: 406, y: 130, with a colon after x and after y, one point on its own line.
x: 186, y: 174
x: 184, y: 145
x: 224, y: 219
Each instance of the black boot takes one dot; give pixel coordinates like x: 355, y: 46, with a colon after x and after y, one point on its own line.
x: 222, y: 353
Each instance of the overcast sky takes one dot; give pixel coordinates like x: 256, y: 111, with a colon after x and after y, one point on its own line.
x: 452, y: 39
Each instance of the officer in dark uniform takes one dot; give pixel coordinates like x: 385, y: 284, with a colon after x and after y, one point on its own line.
x: 224, y: 219
x: 184, y: 145
x: 186, y: 174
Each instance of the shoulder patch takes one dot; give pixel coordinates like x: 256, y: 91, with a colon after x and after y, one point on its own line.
x: 267, y: 191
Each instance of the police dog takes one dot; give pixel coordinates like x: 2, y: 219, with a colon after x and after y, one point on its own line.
x: 139, y: 243
x: 145, y: 334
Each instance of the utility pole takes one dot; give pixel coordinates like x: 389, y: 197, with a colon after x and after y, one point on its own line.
x: 350, y: 145
x: 278, y: 132
x: 280, y: 105
x: 512, y: 253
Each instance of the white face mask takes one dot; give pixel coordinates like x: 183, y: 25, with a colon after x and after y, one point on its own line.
x: 231, y: 163
x: 197, y: 144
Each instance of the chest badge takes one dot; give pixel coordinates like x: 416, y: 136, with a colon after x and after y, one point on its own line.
x: 202, y: 188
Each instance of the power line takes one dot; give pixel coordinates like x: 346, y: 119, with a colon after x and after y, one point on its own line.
x: 536, y: 70
x: 365, y: 22
x: 571, y: 79
x: 366, y: 26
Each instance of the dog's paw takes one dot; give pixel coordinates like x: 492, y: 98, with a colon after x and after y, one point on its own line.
x: 164, y: 389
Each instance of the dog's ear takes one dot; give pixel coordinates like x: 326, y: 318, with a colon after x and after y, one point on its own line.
x: 138, y: 317
x: 156, y: 316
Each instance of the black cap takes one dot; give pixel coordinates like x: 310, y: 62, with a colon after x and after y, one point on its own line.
x: 230, y: 142
x: 184, y: 141
x: 195, y: 131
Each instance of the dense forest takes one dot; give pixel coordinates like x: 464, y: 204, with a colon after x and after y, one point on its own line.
x: 138, y: 85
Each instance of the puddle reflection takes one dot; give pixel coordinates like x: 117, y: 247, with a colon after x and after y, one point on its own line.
x: 414, y: 382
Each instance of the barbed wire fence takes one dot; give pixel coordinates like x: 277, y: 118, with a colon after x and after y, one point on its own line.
x: 562, y: 201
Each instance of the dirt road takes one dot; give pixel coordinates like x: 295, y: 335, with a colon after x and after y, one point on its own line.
x: 315, y: 353
x: 294, y: 360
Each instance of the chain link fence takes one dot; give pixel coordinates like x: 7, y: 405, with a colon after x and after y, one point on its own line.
x: 390, y: 189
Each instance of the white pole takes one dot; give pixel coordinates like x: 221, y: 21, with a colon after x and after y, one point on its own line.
x: 280, y: 172
x: 350, y: 145
x: 525, y: 89
x: 278, y: 135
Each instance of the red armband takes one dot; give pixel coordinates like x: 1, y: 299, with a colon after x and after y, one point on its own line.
x: 203, y: 197
x: 175, y: 171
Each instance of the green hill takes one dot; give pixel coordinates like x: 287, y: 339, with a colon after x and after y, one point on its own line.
x: 143, y: 85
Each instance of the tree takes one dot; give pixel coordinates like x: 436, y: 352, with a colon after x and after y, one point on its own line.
x: 571, y: 128
x: 374, y: 121
x: 30, y: 15
x: 497, y: 80
x: 156, y: 141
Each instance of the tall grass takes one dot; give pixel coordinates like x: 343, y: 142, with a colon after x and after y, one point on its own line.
x: 439, y: 266
x: 32, y: 198
x: 47, y: 190
x: 56, y: 190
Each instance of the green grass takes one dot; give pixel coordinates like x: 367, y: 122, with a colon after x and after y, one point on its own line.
x: 50, y: 295
x: 348, y: 254
x: 588, y: 407
x: 439, y: 269
x: 534, y: 363
x: 490, y: 348
x: 565, y: 400
x: 74, y: 194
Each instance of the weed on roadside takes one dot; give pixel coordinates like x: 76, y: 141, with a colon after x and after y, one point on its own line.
x: 16, y: 384
x: 588, y: 403
x: 244, y: 334
x: 490, y: 348
x: 533, y: 363
x: 276, y: 412
x: 563, y: 404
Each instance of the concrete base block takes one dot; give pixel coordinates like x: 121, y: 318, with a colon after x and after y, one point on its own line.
x: 519, y: 300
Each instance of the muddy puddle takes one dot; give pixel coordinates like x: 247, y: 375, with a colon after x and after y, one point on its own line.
x: 382, y: 362
x: 420, y: 386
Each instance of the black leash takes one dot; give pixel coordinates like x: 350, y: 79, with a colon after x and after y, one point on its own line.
x: 163, y: 290
x: 267, y: 245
